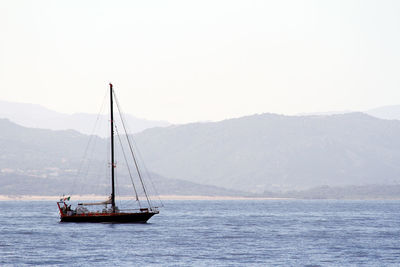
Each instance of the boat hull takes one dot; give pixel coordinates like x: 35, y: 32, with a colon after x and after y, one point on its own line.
x: 140, y: 217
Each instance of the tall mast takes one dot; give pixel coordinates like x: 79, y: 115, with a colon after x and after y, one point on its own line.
x: 112, y: 149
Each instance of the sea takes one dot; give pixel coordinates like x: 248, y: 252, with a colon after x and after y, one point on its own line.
x: 209, y: 233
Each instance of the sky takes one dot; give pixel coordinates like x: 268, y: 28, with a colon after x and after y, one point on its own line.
x: 186, y: 61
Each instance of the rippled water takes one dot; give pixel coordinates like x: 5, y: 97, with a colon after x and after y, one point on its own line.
x: 213, y: 233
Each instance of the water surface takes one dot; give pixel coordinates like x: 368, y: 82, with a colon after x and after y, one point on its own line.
x: 209, y: 233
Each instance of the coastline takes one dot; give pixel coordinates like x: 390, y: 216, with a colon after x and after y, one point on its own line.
x: 167, y: 197
x: 97, y: 197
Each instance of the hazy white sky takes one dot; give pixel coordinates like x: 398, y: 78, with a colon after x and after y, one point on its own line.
x: 185, y: 61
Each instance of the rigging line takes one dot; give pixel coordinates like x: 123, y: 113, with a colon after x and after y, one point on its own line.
x: 134, y: 147
x: 147, y: 171
x: 85, y: 174
x: 127, y: 165
x: 136, y: 159
x: 132, y: 153
x: 140, y: 159
x: 133, y: 156
x: 88, y: 144
x: 139, y: 156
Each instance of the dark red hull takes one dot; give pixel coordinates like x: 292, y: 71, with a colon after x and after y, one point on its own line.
x: 140, y: 217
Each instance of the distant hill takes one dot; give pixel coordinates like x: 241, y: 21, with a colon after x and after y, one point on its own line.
x: 325, y: 113
x: 24, y: 184
x: 45, y: 162
x: 274, y: 152
x: 36, y: 116
x: 386, y: 112
x: 254, y: 154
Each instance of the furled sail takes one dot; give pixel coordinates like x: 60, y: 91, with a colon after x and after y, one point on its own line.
x: 97, y: 203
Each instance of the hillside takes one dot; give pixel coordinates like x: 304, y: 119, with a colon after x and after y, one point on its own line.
x: 45, y: 162
x: 274, y: 152
x: 13, y: 184
x: 386, y: 112
x: 36, y: 116
x: 256, y: 154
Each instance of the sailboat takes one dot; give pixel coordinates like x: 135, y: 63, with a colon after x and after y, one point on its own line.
x: 110, y: 213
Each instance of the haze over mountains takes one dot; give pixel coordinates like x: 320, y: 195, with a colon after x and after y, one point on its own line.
x: 273, y: 152
x: 265, y: 153
x: 46, y: 162
x: 260, y: 154
x: 385, y: 112
x: 36, y: 116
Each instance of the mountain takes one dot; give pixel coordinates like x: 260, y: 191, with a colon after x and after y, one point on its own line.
x: 254, y: 154
x: 274, y: 152
x: 36, y: 116
x: 325, y: 113
x: 46, y: 162
x: 52, y: 184
x: 386, y: 112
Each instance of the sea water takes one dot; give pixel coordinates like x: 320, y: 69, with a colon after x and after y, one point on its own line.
x: 209, y: 233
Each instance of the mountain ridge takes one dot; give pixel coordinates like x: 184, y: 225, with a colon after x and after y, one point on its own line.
x: 37, y: 116
x: 390, y: 112
x: 255, y: 154
x: 296, y: 142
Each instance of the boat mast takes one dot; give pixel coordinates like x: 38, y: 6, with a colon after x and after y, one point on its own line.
x: 112, y: 149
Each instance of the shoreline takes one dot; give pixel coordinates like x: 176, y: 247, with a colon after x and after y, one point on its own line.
x: 165, y: 197
x: 97, y: 197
